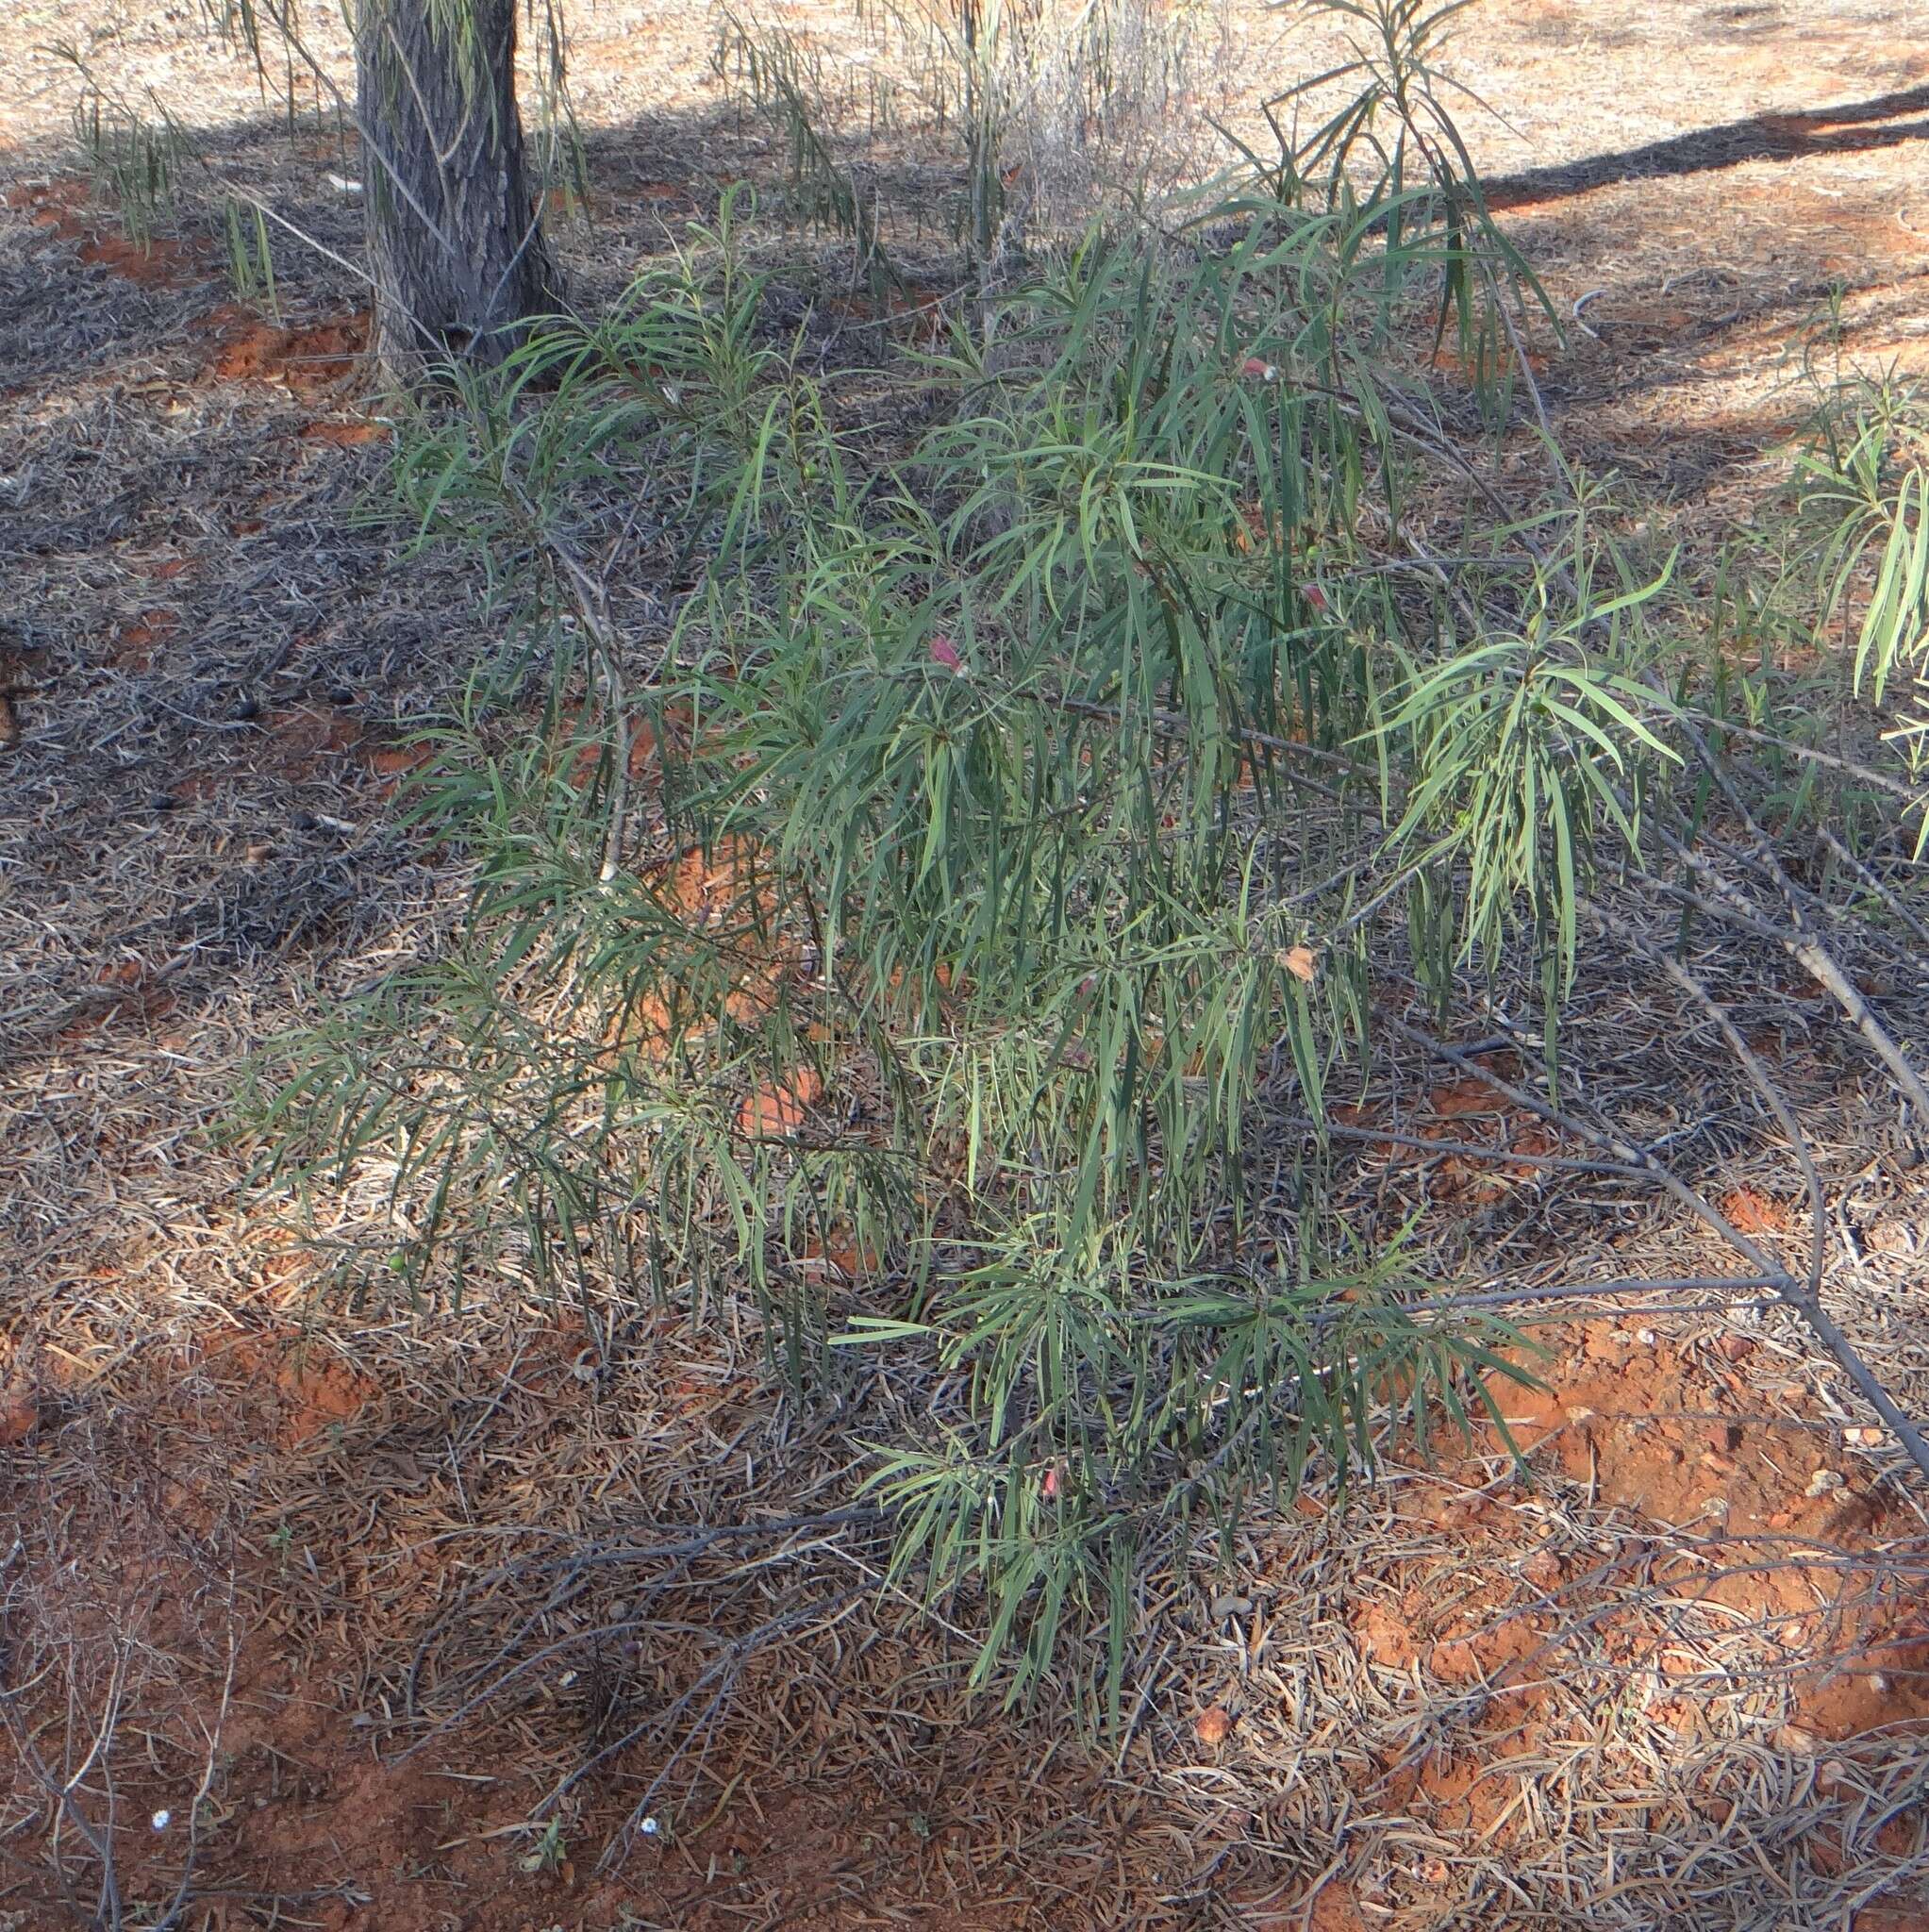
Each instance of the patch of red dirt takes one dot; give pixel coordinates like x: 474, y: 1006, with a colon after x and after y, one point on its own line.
x: 346, y: 435
x: 1336, y: 1909
x: 1880, y: 1918
x: 1453, y: 1098
x: 1630, y: 1416
x: 1671, y: 1440
x: 134, y: 643
x: 156, y: 263
x: 398, y: 760
x: 321, y: 1827
x: 1485, y: 365
x: 320, y: 1393
x: 1385, y: 1637
x: 307, y: 734
x: 840, y: 1251
x: 1755, y: 1213
x: 126, y: 993
x: 308, y: 1390
x: 1468, y: 1113
x: 781, y: 1108
x: 48, y: 198
x: 161, y: 261
x: 643, y: 743
x: 914, y: 315
x: 721, y: 895
x: 304, y: 360
x: 20, y: 1414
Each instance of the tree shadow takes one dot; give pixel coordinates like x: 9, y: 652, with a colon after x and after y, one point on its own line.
x: 1846, y: 129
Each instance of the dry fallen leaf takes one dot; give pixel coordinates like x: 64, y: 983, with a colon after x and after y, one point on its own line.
x: 1212, y: 1725
x: 1301, y: 961
x: 10, y: 723
x: 19, y: 1415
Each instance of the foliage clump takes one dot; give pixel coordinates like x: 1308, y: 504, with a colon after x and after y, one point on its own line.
x: 942, y: 924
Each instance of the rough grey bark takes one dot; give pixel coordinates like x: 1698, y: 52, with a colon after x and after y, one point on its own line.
x: 454, y: 242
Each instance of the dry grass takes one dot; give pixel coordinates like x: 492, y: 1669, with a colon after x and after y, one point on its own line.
x: 1621, y: 1695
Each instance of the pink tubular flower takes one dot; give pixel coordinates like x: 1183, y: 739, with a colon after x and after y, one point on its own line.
x: 1316, y: 596
x: 1257, y: 365
x: 945, y: 652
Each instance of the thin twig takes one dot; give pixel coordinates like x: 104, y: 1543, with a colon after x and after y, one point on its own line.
x: 1805, y: 1297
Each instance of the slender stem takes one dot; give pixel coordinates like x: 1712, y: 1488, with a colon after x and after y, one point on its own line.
x: 1805, y: 1297
x: 1803, y: 944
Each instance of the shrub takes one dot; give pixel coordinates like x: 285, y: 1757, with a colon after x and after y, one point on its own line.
x: 938, y: 937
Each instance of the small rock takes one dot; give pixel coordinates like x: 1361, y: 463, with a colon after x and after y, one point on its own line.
x: 1794, y: 1741
x: 1735, y: 1348
x: 1823, y: 1482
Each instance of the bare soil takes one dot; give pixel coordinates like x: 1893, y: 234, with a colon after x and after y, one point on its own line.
x: 1673, y: 1672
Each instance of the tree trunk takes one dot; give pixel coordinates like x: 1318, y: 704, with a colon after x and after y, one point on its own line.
x: 455, y: 243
